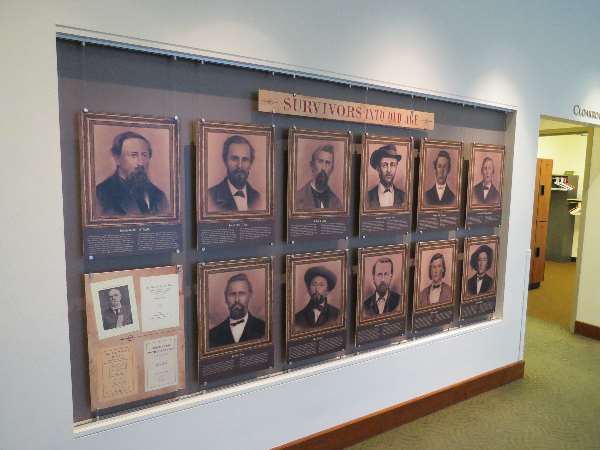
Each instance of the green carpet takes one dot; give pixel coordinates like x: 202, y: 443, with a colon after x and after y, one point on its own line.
x: 556, y: 405
x: 553, y: 301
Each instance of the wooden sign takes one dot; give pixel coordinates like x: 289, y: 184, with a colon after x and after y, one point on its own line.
x: 323, y: 108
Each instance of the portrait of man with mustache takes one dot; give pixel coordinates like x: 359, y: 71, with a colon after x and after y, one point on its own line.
x: 234, y: 193
x: 241, y: 325
x: 319, y: 311
x: 317, y: 194
x: 129, y: 191
x: 384, y: 300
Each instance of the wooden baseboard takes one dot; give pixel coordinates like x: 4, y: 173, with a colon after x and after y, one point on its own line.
x: 358, y: 430
x: 587, y: 330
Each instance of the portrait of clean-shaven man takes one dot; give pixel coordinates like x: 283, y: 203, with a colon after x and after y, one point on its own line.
x: 235, y: 168
x: 382, y: 282
x: 236, y: 298
x: 435, y: 272
x: 318, y: 293
x: 116, y: 307
x: 130, y: 169
x: 440, y: 176
x: 319, y: 168
x: 386, y: 172
x: 480, y: 267
x: 486, y: 177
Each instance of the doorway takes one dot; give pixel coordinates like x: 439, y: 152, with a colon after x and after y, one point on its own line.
x: 564, y: 148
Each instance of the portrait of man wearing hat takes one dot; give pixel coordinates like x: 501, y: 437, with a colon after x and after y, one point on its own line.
x: 481, y: 262
x: 318, y: 312
x: 385, y: 194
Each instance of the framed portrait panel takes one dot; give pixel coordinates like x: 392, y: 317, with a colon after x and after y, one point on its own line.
x: 439, y: 185
x: 234, y: 305
x: 135, y: 329
x: 130, y: 169
x: 316, y: 281
x: 382, y: 286
x: 386, y: 184
x: 434, y: 296
x: 235, y: 171
x: 382, y: 293
x: 484, y: 195
x: 480, y: 276
x: 131, y: 186
x: 318, y: 173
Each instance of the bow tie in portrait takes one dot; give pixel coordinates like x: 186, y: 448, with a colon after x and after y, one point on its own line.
x: 433, y: 286
x: 486, y: 188
x: 387, y: 190
x: 237, y: 322
x: 239, y: 194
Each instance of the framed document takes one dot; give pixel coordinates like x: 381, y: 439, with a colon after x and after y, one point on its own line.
x: 484, y: 195
x: 130, y: 170
x: 386, y: 185
x: 235, y: 183
x: 435, y: 280
x: 382, y: 293
x: 318, y: 185
x: 479, y: 280
x: 316, y: 304
x: 135, y: 334
x: 234, y: 317
x: 439, y: 185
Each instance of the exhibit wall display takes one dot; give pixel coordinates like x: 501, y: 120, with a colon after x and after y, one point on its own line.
x: 135, y: 321
x: 226, y: 142
x: 495, y: 96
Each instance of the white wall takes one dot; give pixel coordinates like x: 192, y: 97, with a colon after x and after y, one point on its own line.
x: 568, y: 152
x: 588, y: 300
x: 493, y: 52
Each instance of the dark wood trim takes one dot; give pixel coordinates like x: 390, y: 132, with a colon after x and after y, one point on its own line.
x: 358, y: 430
x: 534, y: 285
x: 587, y: 330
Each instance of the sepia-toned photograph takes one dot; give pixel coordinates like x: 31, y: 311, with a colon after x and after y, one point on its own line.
x: 386, y: 174
x: 485, y: 176
x: 382, y: 286
x: 319, y: 173
x: 440, y: 170
x: 435, y: 272
x: 115, y: 307
x: 316, y: 284
x: 130, y: 169
x: 234, y: 305
x: 235, y: 170
x: 479, y: 272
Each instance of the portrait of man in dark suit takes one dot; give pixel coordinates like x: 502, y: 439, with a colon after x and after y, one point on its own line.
x: 485, y: 191
x: 438, y: 291
x: 129, y: 191
x: 234, y: 192
x: 240, y: 325
x: 317, y: 194
x: 384, y: 300
x: 385, y: 194
x: 481, y: 263
x: 117, y: 314
x: 440, y: 193
x: 318, y: 312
